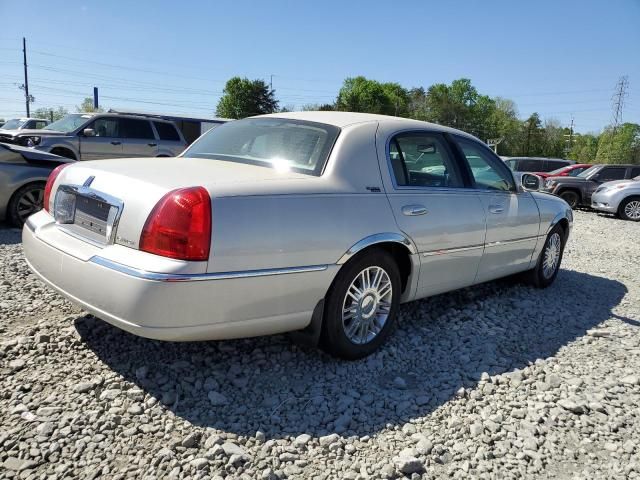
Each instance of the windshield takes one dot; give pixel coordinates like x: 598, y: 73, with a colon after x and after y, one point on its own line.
x: 69, y: 123
x: 589, y: 171
x: 14, y: 124
x: 279, y: 143
x: 557, y: 171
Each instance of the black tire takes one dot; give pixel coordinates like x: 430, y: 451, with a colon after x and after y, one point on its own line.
x: 623, y: 210
x: 571, y: 197
x: 334, y: 338
x: 26, y: 201
x: 63, y: 152
x: 537, y: 276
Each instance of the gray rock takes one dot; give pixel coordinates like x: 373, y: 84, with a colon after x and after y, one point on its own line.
x: 217, y: 399
x: 232, y: 449
x: 192, y: 440
x: 302, y: 440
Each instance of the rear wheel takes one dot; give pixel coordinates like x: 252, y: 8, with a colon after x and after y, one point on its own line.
x: 362, y: 305
x: 629, y: 209
x: 571, y: 197
x: 546, y: 270
x: 25, y: 202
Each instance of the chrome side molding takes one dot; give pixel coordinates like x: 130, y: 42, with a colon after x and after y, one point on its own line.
x: 196, y: 277
x: 377, y: 238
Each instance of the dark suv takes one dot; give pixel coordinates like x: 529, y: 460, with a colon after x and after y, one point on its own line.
x: 535, y: 164
x: 577, y: 191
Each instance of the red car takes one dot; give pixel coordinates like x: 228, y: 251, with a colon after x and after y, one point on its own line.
x: 568, y: 171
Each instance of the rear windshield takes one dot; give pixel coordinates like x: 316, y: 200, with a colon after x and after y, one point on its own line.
x: 279, y: 143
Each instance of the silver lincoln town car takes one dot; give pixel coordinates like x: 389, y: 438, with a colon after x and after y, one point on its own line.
x: 316, y: 222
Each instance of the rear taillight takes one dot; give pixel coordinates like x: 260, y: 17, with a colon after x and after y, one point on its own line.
x: 179, y: 226
x: 50, y: 181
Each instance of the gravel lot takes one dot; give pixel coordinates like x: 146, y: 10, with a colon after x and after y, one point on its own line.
x: 497, y: 381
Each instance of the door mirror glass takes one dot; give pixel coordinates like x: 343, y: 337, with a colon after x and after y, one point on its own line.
x: 427, y: 148
x: 531, y: 182
x: 89, y: 132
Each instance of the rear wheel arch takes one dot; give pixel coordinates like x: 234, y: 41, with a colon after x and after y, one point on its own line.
x: 11, y: 204
x: 576, y: 191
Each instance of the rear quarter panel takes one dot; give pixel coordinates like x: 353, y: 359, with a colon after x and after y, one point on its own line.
x: 13, y: 176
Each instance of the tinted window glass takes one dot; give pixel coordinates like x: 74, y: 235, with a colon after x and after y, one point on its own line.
x: 530, y: 165
x: 105, y: 127
x: 635, y: 171
x: 130, y: 128
x: 166, y: 131
x: 489, y: 173
x: 40, y: 125
x: 611, y: 173
x: 423, y: 160
x: 512, y: 164
x: 279, y: 143
x: 554, y: 164
x: 577, y: 171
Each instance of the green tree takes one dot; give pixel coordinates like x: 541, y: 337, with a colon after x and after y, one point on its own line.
x: 552, y: 140
x: 52, y: 114
x: 244, y: 98
x: 504, y: 124
x: 584, y: 148
x: 317, y: 107
x: 87, y: 106
x: 532, y: 141
x: 360, y: 94
x: 620, y: 146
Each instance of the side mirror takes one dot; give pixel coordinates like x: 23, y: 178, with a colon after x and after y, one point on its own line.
x: 531, y: 182
x: 89, y: 132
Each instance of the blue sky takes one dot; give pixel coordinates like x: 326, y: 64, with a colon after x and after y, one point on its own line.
x: 559, y: 58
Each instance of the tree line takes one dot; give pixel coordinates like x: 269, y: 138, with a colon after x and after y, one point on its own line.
x: 458, y: 105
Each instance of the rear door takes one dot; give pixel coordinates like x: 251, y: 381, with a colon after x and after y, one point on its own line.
x: 138, y: 139
x: 431, y: 205
x: 107, y: 142
x: 512, y: 216
x: 169, y: 140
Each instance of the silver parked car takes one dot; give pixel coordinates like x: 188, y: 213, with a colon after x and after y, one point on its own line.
x: 25, y: 123
x: 23, y: 174
x: 95, y: 136
x: 621, y: 197
x: 316, y: 221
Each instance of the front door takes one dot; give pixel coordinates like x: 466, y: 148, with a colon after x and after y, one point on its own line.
x: 445, y: 220
x: 513, y: 219
x: 106, y: 142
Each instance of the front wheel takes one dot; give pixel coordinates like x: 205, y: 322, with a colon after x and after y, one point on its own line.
x: 546, y: 270
x: 571, y: 197
x: 630, y: 209
x: 362, y: 305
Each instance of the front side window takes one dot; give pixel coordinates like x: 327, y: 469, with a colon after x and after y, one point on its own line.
x: 132, y: 128
x: 488, y: 172
x: 280, y: 143
x: 422, y: 160
x: 106, y: 127
x: 611, y: 173
x: 40, y: 125
x: 577, y: 171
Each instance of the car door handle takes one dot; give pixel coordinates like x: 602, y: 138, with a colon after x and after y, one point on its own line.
x: 413, y: 210
x: 496, y: 208
x: 152, y: 144
x: 116, y: 143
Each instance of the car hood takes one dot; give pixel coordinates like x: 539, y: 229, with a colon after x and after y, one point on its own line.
x: 567, y: 179
x: 38, y: 132
x: 626, y: 183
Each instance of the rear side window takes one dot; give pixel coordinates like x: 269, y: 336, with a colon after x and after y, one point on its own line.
x: 611, y: 173
x: 577, y: 171
x: 554, y: 165
x: 422, y: 160
x: 167, y: 131
x: 635, y: 171
x: 131, y: 128
x: 531, y: 165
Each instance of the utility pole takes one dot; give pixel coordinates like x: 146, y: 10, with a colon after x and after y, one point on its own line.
x: 27, y: 99
x: 271, y: 82
x: 618, y: 101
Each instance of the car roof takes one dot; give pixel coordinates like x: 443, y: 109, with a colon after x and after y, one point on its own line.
x: 344, y: 119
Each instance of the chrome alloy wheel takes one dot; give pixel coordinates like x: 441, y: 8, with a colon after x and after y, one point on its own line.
x: 367, y: 305
x: 551, y: 258
x: 632, y: 210
x: 29, y: 203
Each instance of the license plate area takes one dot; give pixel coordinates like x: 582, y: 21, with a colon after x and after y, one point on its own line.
x: 86, y: 213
